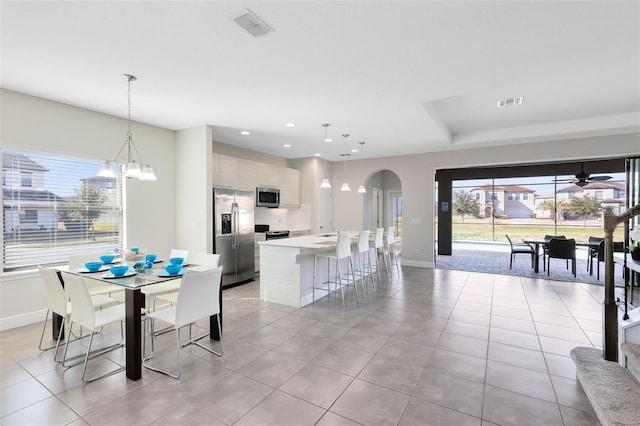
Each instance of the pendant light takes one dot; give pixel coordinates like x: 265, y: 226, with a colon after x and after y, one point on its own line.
x: 361, y: 188
x: 325, y: 181
x: 133, y: 169
x: 345, y: 185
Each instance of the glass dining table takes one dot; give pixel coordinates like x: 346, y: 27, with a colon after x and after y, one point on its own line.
x: 134, y: 303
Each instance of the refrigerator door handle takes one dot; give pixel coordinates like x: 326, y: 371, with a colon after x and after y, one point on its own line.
x: 234, y: 226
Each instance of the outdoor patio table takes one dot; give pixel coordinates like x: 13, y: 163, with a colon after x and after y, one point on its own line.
x: 542, y: 242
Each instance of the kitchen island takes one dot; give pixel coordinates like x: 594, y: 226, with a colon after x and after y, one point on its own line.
x: 286, y: 268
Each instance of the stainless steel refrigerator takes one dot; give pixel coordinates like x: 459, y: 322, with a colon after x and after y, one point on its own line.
x: 234, y: 234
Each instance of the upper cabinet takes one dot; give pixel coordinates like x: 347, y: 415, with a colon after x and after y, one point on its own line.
x: 232, y: 172
x: 267, y: 175
x: 238, y: 173
x: 247, y: 175
x: 228, y: 172
x: 289, y: 184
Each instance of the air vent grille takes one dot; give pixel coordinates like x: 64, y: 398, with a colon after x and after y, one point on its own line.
x: 510, y: 102
x: 251, y: 23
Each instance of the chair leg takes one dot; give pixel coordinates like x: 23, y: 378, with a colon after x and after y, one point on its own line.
x: 313, y: 285
x: 339, y: 279
x: 510, y: 260
x: 548, y: 265
x: 353, y: 275
x: 98, y: 352
x: 395, y: 257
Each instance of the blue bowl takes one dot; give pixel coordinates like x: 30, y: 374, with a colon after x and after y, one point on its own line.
x: 119, y: 270
x: 172, y: 268
x: 177, y: 260
x: 150, y: 257
x: 107, y: 258
x: 93, y: 266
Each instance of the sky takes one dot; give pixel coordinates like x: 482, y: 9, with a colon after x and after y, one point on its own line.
x: 542, y: 185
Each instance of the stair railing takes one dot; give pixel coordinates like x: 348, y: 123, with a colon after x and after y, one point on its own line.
x: 610, y: 335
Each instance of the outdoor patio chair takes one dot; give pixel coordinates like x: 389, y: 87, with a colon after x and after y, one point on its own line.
x: 592, y: 253
x: 545, y: 248
x: 520, y: 249
x: 618, y: 247
x: 562, y: 248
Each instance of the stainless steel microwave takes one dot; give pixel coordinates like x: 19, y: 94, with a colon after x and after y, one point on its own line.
x: 267, y: 197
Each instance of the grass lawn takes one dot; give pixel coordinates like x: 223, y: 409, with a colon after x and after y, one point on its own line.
x: 517, y: 232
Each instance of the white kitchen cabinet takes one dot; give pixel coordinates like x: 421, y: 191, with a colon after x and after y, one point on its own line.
x: 289, y: 184
x: 267, y: 175
x: 228, y: 172
x: 215, y: 169
x: 247, y: 178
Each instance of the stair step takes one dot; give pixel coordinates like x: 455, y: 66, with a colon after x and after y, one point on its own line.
x: 612, y: 390
x: 632, y: 351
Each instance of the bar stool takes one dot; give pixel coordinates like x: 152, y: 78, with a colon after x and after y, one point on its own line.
x: 342, y: 252
x: 390, y: 242
x: 378, y: 244
x: 362, y: 253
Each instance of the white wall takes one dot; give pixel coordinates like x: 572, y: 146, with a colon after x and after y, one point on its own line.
x: 45, y: 126
x: 194, y: 194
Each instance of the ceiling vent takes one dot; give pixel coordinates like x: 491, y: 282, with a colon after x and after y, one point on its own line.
x: 253, y: 24
x: 510, y: 102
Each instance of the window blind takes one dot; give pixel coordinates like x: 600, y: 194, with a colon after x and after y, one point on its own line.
x: 54, y: 206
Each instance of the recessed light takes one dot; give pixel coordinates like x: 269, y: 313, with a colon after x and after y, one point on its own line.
x: 317, y: 155
x: 244, y: 132
x: 286, y: 145
x: 328, y: 140
x: 290, y: 124
x: 354, y: 150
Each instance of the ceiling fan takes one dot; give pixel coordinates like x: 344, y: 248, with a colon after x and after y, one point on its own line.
x: 583, y: 178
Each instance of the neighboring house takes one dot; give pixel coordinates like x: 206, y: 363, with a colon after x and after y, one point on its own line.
x: 540, y: 199
x: 26, y: 204
x: 610, y: 194
x: 513, y: 201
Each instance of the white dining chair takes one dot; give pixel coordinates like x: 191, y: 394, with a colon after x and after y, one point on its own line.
x: 85, y: 314
x: 58, y: 303
x: 153, y: 291
x: 342, y: 253
x: 203, y: 260
x: 198, y: 298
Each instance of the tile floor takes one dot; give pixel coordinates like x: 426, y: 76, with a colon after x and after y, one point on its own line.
x: 437, y: 347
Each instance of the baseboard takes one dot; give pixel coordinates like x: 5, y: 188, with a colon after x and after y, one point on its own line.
x: 418, y: 263
x: 22, y: 319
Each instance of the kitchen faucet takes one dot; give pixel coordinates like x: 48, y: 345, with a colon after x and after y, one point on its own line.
x: 338, y: 229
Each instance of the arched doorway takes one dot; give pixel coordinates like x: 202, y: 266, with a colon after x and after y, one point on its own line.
x: 382, y: 204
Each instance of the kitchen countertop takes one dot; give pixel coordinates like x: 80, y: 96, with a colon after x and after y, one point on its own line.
x: 318, y: 241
